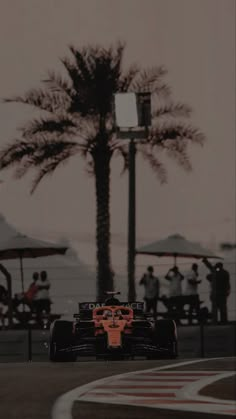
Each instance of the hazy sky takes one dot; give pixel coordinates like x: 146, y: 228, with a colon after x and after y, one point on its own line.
x: 195, y: 39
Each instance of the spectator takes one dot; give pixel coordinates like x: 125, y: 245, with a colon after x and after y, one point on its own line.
x: 42, y: 297
x: 152, y: 290
x: 192, y: 281
x: 174, y: 302
x: 220, y: 289
x: 175, y: 278
x: 191, y: 290
x: 30, y: 294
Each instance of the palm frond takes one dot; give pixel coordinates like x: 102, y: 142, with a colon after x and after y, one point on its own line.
x: 177, y: 150
x: 123, y: 151
x: 90, y: 168
x: 50, y: 166
x: 61, y: 124
x: 151, y: 81
x: 47, y: 157
x: 72, y: 72
x: 84, y: 89
x: 95, y: 74
x: 173, y: 110
x: 27, y: 163
x: 154, y: 162
x: 89, y: 146
x: 35, y: 152
x: 57, y: 84
x: 174, y: 131
x: 160, y: 89
x: 54, y: 149
x: 117, y: 53
x: 43, y: 100
x: 12, y: 155
x: 84, y: 62
x: 89, y: 58
x: 127, y: 78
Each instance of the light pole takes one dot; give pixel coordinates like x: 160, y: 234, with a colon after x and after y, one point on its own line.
x: 131, y: 223
x: 9, y: 292
x: 133, y: 116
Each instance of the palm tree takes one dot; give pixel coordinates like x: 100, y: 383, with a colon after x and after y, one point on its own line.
x: 76, y: 116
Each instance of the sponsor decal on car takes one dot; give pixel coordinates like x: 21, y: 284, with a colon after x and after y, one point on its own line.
x: 135, y: 305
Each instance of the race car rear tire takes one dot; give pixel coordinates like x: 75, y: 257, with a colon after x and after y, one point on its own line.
x: 165, y: 336
x: 61, y: 338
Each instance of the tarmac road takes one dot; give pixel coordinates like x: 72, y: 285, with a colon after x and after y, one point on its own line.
x: 29, y: 390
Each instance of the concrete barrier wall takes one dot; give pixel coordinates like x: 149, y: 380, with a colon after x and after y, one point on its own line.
x: 220, y: 340
x: 13, y: 346
x: 211, y: 341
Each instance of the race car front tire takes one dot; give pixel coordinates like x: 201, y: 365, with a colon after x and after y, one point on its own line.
x: 61, y: 338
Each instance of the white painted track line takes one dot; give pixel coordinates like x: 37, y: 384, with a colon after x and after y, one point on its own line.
x: 154, y: 390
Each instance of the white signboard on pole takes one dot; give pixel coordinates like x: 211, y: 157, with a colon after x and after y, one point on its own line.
x: 126, y: 111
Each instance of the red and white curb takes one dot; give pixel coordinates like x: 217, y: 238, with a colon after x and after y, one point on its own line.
x: 156, y: 388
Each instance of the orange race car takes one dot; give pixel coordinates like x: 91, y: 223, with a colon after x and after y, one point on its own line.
x: 112, y: 329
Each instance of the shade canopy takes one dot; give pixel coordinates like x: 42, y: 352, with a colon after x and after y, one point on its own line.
x: 27, y: 247
x: 21, y: 247
x: 176, y: 245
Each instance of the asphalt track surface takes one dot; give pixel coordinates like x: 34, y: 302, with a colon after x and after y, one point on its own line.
x: 30, y: 390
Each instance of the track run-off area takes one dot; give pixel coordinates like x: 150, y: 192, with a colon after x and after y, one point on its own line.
x: 119, y: 389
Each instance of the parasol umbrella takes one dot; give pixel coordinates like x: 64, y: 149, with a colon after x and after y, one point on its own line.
x: 176, y: 245
x: 21, y: 246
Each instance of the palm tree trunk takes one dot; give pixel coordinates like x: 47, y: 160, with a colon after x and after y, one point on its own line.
x: 102, y: 157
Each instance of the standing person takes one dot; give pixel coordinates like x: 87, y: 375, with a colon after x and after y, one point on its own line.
x: 192, y: 281
x: 42, y: 298
x: 175, y: 278
x: 174, y: 303
x: 220, y: 289
x: 30, y: 294
x: 152, y: 289
x: 192, y: 290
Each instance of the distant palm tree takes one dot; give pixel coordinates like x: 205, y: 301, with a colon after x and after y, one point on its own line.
x: 77, y: 117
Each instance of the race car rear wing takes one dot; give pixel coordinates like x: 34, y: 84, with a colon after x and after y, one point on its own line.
x: 86, y: 308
